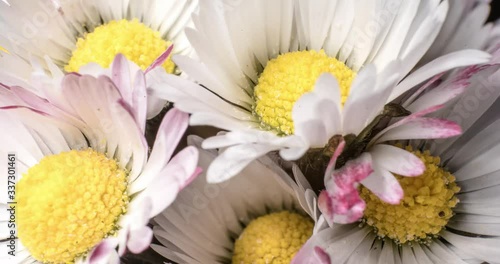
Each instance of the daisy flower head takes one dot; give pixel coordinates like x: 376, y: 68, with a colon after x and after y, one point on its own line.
x: 290, y: 76
x: 50, y: 37
x: 87, y: 182
x: 259, y: 216
x: 449, y: 213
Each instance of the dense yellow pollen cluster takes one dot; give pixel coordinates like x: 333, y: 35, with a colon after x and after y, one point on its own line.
x: 134, y: 40
x: 273, y: 238
x: 69, y: 202
x: 423, y: 212
x: 287, y: 77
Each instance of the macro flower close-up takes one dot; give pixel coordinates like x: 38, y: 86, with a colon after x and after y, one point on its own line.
x: 88, y: 182
x: 304, y: 73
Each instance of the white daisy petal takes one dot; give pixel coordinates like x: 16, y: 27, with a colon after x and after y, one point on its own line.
x: 482, y: 248
x: 383, y: 184
x: 441, y: 64
x: 234, y: 159
x: 397, y: 160
x: 139, y: 239
x: 476, y: 224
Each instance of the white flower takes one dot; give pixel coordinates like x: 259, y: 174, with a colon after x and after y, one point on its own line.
x: 204, y: 222
x: 236, y: 40
x: 46, y: 38
x: 87, y: 183
x: 451, y: 214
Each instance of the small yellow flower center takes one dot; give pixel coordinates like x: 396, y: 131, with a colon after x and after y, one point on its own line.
x: 286, y: 78
x: 134, y: 40
x: 69, y: 202
x: 424, y: 210
x: 273, y: 238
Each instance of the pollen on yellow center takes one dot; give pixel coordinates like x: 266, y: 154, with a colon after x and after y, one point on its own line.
x: 423, y: 212
x: 134, y: 40
x: 273, y: 238
x: 69, y: 202
x: 286, y: 78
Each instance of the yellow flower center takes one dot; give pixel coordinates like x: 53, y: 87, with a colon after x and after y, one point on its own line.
x: 286, y: 78
x: 273, y: 238
x: 134, y: 40
x: 423, y: 212
x: 69, y: 202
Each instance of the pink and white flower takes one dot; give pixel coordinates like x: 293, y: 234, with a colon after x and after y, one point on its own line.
x: 107, y: 115
x: 471, y: 235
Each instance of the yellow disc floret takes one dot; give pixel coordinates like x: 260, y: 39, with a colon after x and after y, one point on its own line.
x: 69, y: 202
x: 273, y: 238
x: 134, y: 40
x: 423, y: 212
x: 286, y: 78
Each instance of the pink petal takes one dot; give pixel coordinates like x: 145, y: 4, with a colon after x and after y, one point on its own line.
x: 340, y: 202
x: 178, y: 174
x: 105, y: 252
x: 160, y: 60
x: 321, y: 255
x: 169, y: 134
x: 423, y: 128
x: 139, y: 239
x: 139, y: 100
x: 121, y: 76
x: 404, y: 121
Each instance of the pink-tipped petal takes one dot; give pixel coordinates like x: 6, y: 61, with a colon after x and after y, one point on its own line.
x: 139, y: 239
x: 170, y: 181
x: 105, y: 252
x: 423, y: 128
x: 340, y: 202
x: 321, y: 255
x: 169, y: 134
x: 121, y: 76
x: 404, y: 121
x: 160, y: 60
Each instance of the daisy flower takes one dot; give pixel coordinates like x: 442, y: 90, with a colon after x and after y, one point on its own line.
x: 450, y: 213
x: 259, y: 216
x: 261, y: 62
x: 87, y: 184
x: 50, y: 37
